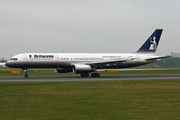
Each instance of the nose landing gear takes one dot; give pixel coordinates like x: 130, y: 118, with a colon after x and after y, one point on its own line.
x: 26, y: 75
x: 25, y: 72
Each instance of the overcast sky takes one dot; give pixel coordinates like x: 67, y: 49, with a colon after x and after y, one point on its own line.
x: 84, y: 26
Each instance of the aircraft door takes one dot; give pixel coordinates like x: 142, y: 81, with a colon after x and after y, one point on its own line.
x: 111, y: 58
x: 57, y: 58
x: 25, y: 59
x: 137, y: 58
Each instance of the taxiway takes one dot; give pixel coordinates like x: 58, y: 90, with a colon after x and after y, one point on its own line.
x: 77, y: 78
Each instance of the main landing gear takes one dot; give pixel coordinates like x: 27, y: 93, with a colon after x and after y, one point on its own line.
x: 92, y: 75
x: 84, y: 74
x: 95, y: 75
x: 25, y: 72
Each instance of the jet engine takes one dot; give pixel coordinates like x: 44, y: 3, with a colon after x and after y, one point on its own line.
x: 82, y: 69
x: 61, y: 70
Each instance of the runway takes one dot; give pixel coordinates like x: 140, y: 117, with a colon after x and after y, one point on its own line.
x: 77, y: 78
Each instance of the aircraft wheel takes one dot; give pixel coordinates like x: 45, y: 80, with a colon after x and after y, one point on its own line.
x: 95, y: 75
x: 84, y: 74
x: 26, y: 75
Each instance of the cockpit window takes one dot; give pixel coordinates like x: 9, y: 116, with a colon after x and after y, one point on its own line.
x: 13, y: 59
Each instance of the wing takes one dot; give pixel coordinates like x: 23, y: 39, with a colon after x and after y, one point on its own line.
x: 156, y: 58
x: 104, y: 63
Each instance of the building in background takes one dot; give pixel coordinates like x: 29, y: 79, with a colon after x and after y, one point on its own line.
x: 176, y: 55
x: 3, y: 60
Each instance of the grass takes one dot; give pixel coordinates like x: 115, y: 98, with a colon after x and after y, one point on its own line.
x: 97, y: 100
x: 6, y: 72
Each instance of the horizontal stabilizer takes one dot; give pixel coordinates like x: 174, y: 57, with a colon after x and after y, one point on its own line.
x: 156, y: 58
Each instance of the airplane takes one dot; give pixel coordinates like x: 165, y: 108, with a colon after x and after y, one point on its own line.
x: 85, y: 63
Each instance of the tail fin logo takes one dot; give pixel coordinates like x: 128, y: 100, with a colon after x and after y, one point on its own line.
x: 153, y: 44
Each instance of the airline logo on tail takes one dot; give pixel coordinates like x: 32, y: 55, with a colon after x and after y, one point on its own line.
x: 151, y: 44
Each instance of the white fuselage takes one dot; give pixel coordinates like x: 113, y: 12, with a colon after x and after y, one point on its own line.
x: 66, y: 60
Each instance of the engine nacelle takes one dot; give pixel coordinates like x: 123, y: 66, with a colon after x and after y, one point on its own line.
x: 82, y: 69
x: 61, y: 70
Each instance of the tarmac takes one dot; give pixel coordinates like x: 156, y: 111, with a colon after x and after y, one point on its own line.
x: 78, y: 78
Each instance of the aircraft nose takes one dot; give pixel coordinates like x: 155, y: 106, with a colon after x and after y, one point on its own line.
x: 8, y: 64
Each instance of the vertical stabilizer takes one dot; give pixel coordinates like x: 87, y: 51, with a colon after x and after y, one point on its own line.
x: 151, y: 43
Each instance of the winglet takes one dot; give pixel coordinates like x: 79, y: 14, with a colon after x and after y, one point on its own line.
x: 151, y: 43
